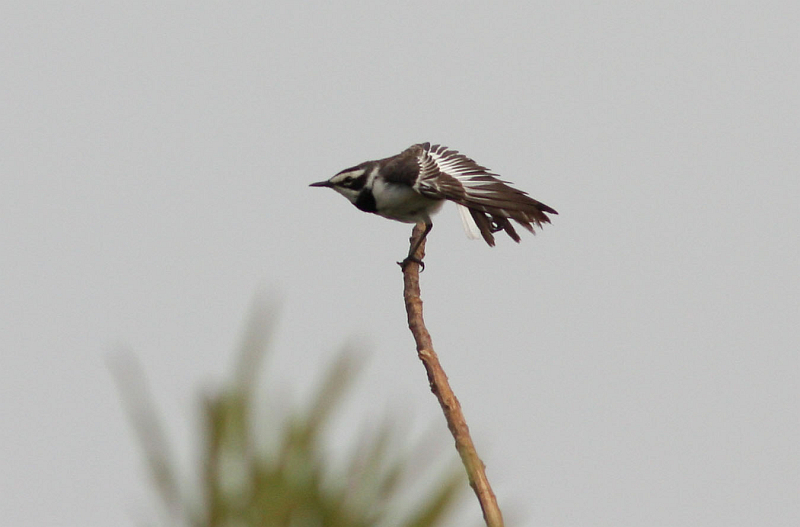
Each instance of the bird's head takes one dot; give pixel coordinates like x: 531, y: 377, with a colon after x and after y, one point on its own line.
x: 348, y: 182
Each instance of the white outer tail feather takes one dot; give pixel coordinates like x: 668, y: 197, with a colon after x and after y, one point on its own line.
x: 470, y: 227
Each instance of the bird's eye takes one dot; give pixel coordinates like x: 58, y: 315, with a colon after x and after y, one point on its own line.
x: 350, y: 179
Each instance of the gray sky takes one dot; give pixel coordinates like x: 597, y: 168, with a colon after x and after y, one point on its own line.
x: 636, y: 363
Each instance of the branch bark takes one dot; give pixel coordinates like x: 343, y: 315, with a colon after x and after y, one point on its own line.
x: 441, y: 389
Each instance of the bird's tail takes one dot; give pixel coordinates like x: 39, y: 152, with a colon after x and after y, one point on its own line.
x: 470, y: 227
x: 490, y: 219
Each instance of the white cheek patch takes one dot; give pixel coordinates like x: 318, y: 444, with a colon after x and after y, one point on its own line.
x: 372, y: 176
x: 348, y: 193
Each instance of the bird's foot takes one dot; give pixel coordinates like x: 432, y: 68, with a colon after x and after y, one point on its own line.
x: 410, y: 259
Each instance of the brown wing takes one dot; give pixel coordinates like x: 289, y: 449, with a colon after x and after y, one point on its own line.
x: 448, y: 174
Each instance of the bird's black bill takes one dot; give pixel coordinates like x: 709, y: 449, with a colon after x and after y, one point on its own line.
x: 321, y: 184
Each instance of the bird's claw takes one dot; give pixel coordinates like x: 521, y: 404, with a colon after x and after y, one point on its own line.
x: 410, y: 259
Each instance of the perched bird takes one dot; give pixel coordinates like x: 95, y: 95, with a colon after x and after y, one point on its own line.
x: 414, y: 184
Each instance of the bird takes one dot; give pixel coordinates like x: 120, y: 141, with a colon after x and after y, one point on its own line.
x: 413, y: 185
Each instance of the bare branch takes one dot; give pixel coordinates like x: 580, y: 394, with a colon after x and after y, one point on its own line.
x: 441, y: 388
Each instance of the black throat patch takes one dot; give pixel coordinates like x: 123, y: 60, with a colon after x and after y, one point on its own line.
x: 366, y: 201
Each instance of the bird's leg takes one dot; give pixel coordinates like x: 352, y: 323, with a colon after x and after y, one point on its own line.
x: 411, y: 258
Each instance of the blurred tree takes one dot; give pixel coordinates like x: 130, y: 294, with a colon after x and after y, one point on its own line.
x: 249, y: 481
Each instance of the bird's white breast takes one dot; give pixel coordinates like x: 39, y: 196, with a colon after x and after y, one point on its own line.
x: 402, y: 203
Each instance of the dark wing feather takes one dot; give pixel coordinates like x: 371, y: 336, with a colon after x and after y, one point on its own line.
x: 448, y: 174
